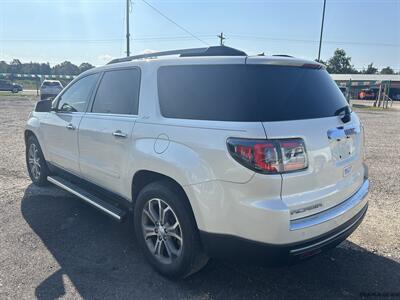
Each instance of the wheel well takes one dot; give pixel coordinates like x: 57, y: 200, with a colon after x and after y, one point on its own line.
x: 144, y: 177
x: 28, y: 134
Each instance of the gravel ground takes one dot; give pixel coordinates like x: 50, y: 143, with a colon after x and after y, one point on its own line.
x: 53, y: 245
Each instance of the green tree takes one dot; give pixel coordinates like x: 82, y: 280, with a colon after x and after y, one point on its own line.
x: 3, y: 67
x: 84, y: 67
x: 45, y: 69
x: 340, y: 63
x: 387, y: 70
x: 15, y: 66
x: 370, y: 69
x: 65, y: 68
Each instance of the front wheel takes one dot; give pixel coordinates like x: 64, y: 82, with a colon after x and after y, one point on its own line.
x: 14, y: 90
x: 37, y: 167
x: 166, y: 230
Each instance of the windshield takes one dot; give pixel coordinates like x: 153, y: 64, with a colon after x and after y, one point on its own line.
x: 247, y: 93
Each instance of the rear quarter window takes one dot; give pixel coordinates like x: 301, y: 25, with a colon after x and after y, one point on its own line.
x: 247, y: 93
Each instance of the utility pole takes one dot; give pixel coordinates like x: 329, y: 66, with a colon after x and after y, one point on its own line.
x: 221, y: 38
x: 128, y: 53
x: 322, y: 30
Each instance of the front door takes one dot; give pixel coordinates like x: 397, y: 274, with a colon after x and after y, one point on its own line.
x: 61, y: 125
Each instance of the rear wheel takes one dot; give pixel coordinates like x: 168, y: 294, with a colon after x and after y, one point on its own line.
x: 37, y: 167
x: 166, y: 230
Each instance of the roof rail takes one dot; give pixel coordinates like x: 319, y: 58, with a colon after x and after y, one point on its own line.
x: 207, y: 51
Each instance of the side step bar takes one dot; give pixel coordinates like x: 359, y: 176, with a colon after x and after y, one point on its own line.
x: 93, y: 200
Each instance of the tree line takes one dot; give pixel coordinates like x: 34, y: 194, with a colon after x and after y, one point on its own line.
x: 339, y: 63
x: 64, y: 68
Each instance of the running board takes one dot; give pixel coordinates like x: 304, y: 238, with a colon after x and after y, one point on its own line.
x: 93, y: 200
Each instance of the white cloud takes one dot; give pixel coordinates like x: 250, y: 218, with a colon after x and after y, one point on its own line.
x: 147, y: 51
x: 104, y: 58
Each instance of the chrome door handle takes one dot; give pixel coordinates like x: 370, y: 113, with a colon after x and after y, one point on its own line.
x: 70, y: 126
x: 119, y: 133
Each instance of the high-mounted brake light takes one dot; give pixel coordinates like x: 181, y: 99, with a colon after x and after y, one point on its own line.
x: 269, y: 156
x: 312, y: 66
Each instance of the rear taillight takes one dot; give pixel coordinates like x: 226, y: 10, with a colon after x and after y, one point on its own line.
x: 269, y: 156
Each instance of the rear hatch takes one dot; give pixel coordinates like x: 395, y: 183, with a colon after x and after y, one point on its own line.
x: 51, y: 87
x: 302, y: 101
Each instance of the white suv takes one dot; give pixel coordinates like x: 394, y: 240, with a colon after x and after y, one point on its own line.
x: 218, y: 154
x: 50, y: 89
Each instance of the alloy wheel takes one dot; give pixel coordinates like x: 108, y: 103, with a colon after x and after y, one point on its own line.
x: 34, y: 161
x: 162, y: 231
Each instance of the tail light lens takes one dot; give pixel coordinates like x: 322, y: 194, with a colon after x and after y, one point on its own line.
x: 269, y: 156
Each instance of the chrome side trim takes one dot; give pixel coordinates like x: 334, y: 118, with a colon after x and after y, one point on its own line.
x: 333, y: 212
x: 294, y: 251
x: 68, y: 189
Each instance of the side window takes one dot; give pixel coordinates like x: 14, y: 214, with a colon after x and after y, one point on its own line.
x: 76, y: 97
x: 118, y: 92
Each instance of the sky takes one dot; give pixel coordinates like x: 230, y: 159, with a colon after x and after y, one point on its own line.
x: 94, y: 30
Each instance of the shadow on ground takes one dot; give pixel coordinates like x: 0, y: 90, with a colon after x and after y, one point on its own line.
x: 102, y: 260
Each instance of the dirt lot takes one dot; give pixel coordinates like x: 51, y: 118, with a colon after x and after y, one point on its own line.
x: 53, y: 245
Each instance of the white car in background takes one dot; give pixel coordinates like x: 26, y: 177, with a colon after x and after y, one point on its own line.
x: 218, y: 154
x: 50, y: 89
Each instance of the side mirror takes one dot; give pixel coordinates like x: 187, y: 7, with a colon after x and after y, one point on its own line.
x: 44, y: 106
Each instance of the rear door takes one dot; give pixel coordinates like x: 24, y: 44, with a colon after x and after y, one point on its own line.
x: 60, y: 126
x: 105, y: 133
x: 302, y: 101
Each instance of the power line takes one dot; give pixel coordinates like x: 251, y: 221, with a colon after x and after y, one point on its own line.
x: 172, y: 21
x: 241, y: 36
x: 177, y: 38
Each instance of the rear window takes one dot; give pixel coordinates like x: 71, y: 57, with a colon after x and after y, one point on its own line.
x: 50, y: 83
x: 247, y: 93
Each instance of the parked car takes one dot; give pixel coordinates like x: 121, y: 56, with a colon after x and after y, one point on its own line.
x: 50, y: 89
x: 395, y: 94
x: 218, y: 154
x: 368, y: 94
x: 9, y: 86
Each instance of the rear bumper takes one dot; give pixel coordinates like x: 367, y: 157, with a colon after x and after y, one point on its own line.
x: 333, y: 212
x: 229, y: 247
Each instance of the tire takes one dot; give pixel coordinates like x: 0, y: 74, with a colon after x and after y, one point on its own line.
x: 35, y: 162
x: 179, y: 252
x: 14, y: 90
